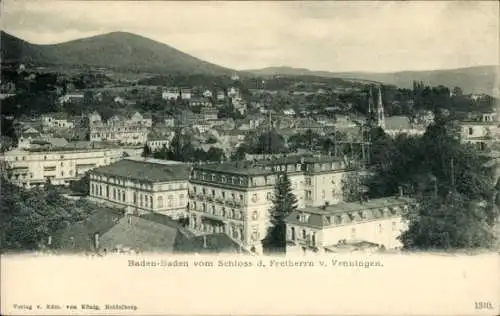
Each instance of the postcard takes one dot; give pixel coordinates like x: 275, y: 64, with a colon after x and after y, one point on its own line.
x: 255, y: 157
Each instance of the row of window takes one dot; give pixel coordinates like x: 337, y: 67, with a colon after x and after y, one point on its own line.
x: 223, y: 212
x: 312, y: 236
x: 138, y: 199
x: 232, y: 195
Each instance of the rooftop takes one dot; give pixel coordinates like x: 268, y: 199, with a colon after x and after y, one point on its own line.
x: 146, y: 170
x: 141, y: 235
x: 320, y: 216
x: 213, y: 243
x: 357, y: 206
x: 257, y: 166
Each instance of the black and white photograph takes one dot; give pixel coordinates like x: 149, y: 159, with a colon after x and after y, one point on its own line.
x: 254, y: 131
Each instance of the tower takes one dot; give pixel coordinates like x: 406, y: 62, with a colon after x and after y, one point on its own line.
x: 380, y: 111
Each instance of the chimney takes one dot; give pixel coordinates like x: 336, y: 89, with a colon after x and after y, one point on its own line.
x: 205, y: 241
x: 96, y: 241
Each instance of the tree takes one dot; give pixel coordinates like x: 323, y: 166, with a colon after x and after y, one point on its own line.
x: 284, y: 203
x: 146, y: 152
x: 82, y: 185
x: 451, y: 183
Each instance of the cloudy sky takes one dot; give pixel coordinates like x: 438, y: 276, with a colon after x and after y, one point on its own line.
x: 334, y: 36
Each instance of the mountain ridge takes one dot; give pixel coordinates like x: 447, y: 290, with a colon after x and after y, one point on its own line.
x: 121, y: 50
x: 115, y: 50
x: 473, y: 79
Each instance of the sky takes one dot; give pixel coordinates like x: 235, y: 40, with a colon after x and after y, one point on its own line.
x: 332, y: 36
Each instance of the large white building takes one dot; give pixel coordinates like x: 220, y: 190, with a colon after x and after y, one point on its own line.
x: 142, y: 186
x: 60, y: 167
x: 235, y: 197
x: 130, y: 131
x: 323, y: 229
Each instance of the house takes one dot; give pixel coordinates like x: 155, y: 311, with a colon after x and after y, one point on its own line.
x: 157, y: 143
x: 186, y: 94
x: 378, y: 222
x: 71, y: 97
x: 171, y: 94
x: 220, y: 95
x: 57, y: 121
x: 482, y: 134
x: 209, y: 113
x: 234, y: 93
x: 289, y: 112
x: 169, y: 121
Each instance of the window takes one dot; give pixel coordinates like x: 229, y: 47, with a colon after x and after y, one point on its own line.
x: 323, y: 194
x: 62, y: 173
x: 308, y: 195
x: 213, y: 192
x: 308, y: 181
x: 223, y: 212
x: 353, y: 233
x: 471, y: 131
x: 223, y: 194
x: 140, y: 199
x: 255, y: 215
x: 151, y: 201
x: 241, y: 197
x: 380, y: 228
x: 292, y: 231
x: 394, y: 226
x: 268, y: 196
x: 233, y: 196
x: 254, y: 197
x: 24, y: 158
x: 304, y: 234
x: 135, y: 198
x: 313, y: 239
x: 123, y: 196
x: 213, y: 209
x: 233, y: 213
x: 181, y: 196
x: 114, y: 194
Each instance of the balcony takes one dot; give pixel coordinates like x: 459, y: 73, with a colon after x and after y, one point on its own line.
x: 230, y: 203
x: 209, y: 198
x: 219, y: 200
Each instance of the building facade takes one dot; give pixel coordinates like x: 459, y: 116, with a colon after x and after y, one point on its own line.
x: 235, y: 197
x: 129, y: 131
x: 59, y: 167
x: 142, y: 186
x: 321, y: 229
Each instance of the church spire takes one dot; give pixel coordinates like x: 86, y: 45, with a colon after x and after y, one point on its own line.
x: 380, y: 110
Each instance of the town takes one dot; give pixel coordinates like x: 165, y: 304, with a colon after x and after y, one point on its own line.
x: 100, y: 159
